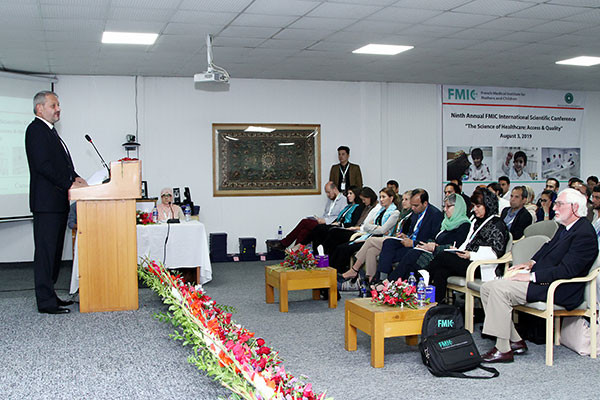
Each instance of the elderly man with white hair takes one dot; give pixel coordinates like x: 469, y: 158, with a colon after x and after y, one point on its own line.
x: 569, y: 254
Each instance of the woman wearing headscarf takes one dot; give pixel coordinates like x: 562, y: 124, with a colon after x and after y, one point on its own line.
x: 166, y: 209
x: 454, y: 230
x: 487, y: 239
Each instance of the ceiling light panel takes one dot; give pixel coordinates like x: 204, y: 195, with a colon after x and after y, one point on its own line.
x: 582, y: 61
x: 382, y: 49
x: 129, y: 38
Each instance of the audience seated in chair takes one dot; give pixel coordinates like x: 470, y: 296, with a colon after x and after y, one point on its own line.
x: 347, y: 218
x: 424, y: 226
x: 337, y: 236
x: 487, y: 239
x: 454, y: 230
x: 569, y: 254
x: 334, y: 205
x: 383, y: 225
x: 370, y: 250
x: 546, y: 210
x: 516, y: 217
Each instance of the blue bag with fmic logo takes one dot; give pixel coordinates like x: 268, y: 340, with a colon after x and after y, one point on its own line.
x: 447, y: 348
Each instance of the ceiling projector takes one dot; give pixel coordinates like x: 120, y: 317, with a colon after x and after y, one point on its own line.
x: 214, y: 73
x: 211, y: 76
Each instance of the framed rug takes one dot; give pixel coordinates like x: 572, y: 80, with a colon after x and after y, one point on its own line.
x: 266, y: 159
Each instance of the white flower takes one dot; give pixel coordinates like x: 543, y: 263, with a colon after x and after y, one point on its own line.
x: 176, y: 294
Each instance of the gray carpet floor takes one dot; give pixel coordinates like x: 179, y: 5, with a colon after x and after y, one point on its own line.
x: 128, y: 355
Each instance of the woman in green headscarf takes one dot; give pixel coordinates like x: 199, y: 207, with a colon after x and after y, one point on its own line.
x: 454, y: 231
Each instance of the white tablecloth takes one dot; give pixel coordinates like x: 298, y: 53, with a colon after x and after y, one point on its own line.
x: 187, y: 247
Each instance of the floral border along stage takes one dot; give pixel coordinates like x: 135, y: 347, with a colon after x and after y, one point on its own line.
x: 225, y: 350
x: 397, y: 294
x: 302, y: 258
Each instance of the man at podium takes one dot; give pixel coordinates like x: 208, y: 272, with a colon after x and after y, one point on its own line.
x: 52, y: 174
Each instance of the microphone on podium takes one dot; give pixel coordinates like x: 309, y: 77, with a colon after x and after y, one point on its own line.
x: 89, y: 139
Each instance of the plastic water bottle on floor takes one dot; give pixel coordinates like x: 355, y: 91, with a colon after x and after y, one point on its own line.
x: 421, y: 288
x: 412, y: 281
x: 155, y: 215
x: 279, y: 233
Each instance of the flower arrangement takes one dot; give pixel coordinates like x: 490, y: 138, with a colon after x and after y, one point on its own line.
x: 224, y: 349
x: 143, y: 218
x: 302, y: 258
x: 397, y: 294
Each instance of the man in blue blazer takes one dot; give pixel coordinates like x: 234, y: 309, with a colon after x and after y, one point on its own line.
x: 51, y: 176
x: 425, y: 224
x: 571, y: 253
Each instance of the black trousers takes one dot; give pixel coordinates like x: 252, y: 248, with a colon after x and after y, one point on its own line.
x: 444, y: 265
x: 335, y: 237
x: 48, y: 237
x: 340, y: 258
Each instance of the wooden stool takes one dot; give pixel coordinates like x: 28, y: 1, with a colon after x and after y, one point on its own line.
x: 381, y: 322
x: 285, y: 279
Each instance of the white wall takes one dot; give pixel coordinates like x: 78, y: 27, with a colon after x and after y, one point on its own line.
x: 393, y: 130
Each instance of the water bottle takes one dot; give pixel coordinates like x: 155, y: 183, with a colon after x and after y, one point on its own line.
x: 412, y: 281
x: 421, y: 289
x: 155, y: 215
x: 279, y: 233
x: 187, y: 212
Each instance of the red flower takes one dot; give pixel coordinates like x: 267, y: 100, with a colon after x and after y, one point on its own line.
x: 264, y: 350
x: 260, y: 342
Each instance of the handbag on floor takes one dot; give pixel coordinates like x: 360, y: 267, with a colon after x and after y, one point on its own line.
x: 576, y: 334
x: 447, y: 348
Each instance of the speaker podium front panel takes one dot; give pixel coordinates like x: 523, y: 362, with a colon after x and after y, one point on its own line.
x: 107, y: 243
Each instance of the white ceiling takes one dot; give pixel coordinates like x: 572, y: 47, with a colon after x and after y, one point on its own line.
x: 479, y: 42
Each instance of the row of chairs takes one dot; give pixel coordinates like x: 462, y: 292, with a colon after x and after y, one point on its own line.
x: 521, y: 251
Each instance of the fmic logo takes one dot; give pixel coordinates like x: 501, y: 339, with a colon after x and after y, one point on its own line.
x: 569, y: 98
x: 462, y: 94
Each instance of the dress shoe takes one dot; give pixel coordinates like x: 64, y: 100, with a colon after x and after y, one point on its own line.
x: 57, y: 310
x: 63, y: 302
x: 495, y: 356
x: 519, y: 347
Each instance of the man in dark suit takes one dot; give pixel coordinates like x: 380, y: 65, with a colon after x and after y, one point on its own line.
x: 51, y: 176
x: 424, y: 226
x: 571, y: 253
x: 516, y: 217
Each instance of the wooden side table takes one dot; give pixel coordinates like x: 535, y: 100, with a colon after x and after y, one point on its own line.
x: 381, y: 322
x: 285, y: 280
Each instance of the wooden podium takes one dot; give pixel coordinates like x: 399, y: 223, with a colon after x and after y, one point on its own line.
x: 107, y: 241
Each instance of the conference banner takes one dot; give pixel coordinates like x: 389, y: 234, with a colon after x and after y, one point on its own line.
x: 528, y: 135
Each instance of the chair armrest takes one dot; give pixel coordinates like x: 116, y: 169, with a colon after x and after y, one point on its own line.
x: 588, y: 278
x: 476, y: 264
